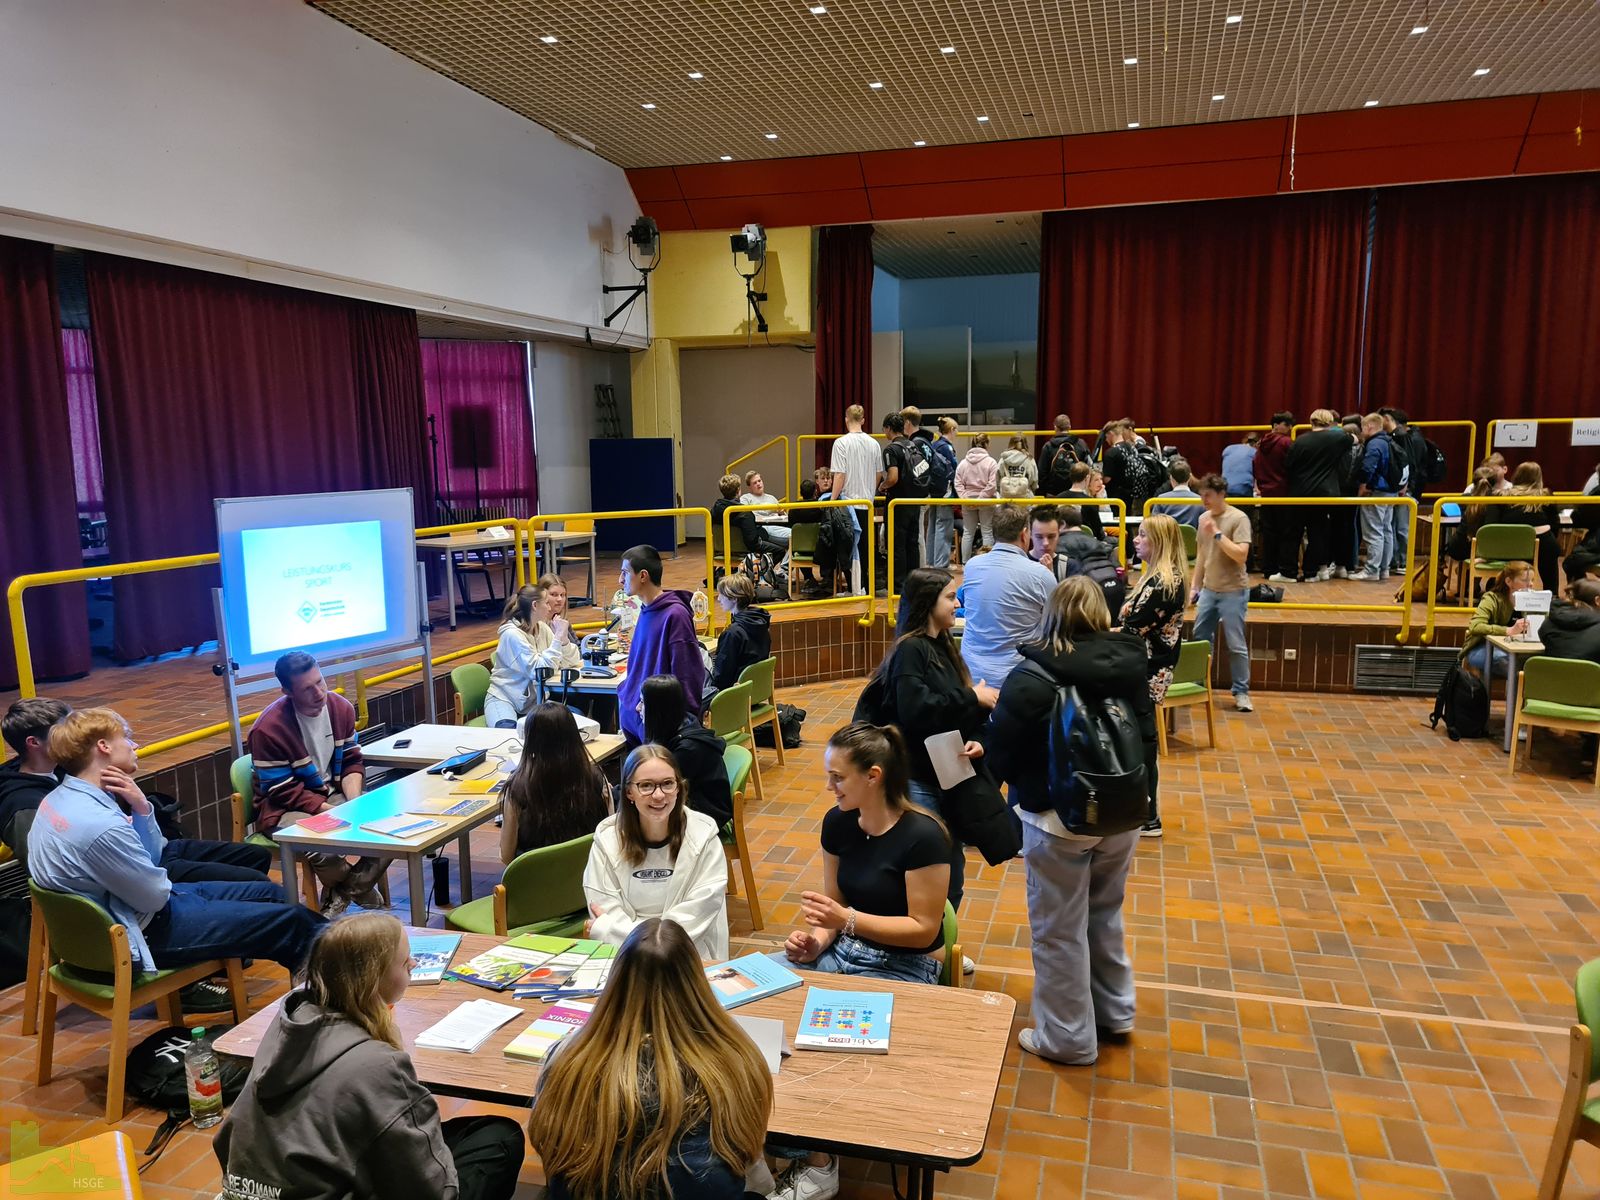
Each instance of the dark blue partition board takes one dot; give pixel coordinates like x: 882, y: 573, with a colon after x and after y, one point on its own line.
x: 630, y: 473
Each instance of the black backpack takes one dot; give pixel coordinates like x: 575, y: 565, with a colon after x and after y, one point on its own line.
x: 1097, y: 777
x: 772, y: 582
x: 156, y: 1077
x: 1112, y: 579
x: 1434, y: 466
x: 918, y: 473
x: 1399, y: 473
x: 1058, y: 473
x: 1462, y: 703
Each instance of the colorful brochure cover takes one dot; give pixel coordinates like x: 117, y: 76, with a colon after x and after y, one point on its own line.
x: 538, y: 1039
x: 432, y: 954
x: 854, y: 1022
x: 753, y: 977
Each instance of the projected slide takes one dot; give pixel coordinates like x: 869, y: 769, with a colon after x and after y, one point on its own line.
x: 306, y: 584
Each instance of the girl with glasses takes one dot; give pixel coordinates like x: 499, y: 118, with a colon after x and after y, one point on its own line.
x: 657, y: 857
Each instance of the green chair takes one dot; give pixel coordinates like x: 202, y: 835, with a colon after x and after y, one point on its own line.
x: 1191, y: 684
x: 86, y: 961
x: 1493, y: 546
x: 1579, y: 1118
x: 763, y: 703
x: 950, y: 969
x: 471, y: 683
x: 1557, y: 693
x: 541, y: 892
x: 738, y: 760
x: 1190, y: 538
x: 242, y: 776
x: 803, y: 552
x: 729, y: 718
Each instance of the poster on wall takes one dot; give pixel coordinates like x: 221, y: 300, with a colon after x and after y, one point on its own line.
x: 1586, y: 431
x: 1515, y: 435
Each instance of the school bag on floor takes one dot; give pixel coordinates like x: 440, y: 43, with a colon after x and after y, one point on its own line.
x: 1462, y: 704
x: 1097, y: 778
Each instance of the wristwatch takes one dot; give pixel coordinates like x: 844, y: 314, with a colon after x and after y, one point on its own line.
x: 1216, y: 537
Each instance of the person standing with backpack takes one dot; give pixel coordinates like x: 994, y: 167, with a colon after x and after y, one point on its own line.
x: 1381, y: 475
x: 1019, y: 477
x: 1412, y: 450
x: 906, y: 470
x: 1078, y: 674
x: 939, y: 520
x: 1057, y: 456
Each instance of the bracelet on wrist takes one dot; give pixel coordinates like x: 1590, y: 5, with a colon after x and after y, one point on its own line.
x: 850, y: 922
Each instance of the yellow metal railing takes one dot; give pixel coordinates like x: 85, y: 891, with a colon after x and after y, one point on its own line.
x: 1401, y: 607
x: 788, y: 488
x: 891, y: 604
x: 1558, y: 500
x: 869, y: 554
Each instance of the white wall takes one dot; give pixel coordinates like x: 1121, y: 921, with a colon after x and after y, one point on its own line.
x: 888, y: 376
x: 733, y: 400
x: 261, y: 137
x: 565, y: 417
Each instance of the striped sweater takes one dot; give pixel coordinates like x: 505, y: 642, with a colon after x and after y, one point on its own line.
x: 286, y: 780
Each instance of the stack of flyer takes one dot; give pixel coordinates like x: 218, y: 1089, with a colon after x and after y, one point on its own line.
x: 538, y: 1039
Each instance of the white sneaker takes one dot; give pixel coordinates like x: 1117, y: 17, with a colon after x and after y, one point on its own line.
x: 967, y: 965
x: 1280, y: 577
x: 809, y: 1183
x: 1366, y: 576
x: 1325, y: 574
x: 1241, y: 703
x: 1341, y: 572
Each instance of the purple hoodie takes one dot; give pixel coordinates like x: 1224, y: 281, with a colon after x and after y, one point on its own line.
x: 663, y: 644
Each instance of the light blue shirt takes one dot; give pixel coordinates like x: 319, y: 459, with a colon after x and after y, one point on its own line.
x: 1239, y: 468
x: 1183, y: 514
x: 1004, y: 593
x: 82, y: 842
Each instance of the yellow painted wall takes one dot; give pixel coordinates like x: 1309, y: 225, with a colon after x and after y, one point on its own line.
x: 698, y: 299
x: 657, y: 401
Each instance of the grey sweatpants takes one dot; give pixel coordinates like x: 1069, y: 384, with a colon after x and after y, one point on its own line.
x: 1081, y: 973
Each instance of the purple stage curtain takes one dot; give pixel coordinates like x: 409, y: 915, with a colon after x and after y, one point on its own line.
x: 87, y: 472
x: 477, y: 395
x: 390, y: 402
x: 39, y: 531
x: 208, y: 386
x: 844, y: 327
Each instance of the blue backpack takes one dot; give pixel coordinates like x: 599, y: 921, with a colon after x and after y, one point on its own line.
x: 1098, y: 785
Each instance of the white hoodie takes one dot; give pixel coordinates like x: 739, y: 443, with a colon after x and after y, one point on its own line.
x: 515, y: 659
x: 691, y: 891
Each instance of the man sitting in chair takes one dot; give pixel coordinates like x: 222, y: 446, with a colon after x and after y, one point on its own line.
x: 83, y: 843
x: 306, y: 759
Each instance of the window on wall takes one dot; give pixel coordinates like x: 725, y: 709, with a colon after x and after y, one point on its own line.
x: 480, y: 428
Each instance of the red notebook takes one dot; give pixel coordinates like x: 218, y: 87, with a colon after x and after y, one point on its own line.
x: 322, y: 823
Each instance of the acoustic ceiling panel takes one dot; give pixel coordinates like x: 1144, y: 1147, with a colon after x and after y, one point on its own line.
x: 1033, y: 68
x: 1006, y: 245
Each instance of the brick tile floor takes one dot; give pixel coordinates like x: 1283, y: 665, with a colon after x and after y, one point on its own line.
x: 1354, y: 950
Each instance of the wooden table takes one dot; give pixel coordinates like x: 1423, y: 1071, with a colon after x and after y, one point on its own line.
x: 926, y: 1104
x: 1511, y: 647
x: 434, y: 743
x: 556, y: 540
x: 450, y: 545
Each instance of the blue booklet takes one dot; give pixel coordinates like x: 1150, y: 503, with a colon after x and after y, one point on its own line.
x: 753, y: 977
x: 432, y: 953
x: 855, y: 1022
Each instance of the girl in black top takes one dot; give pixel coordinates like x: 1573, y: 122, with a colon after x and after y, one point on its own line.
x: 1155, y: 613
x: 698, y: 750
x: 923, y: 688
x: 1528, y: 481
x: 558, y: 792
x: 885, y: 868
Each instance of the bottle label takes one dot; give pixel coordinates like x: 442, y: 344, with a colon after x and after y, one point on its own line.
x: 206, y: 1087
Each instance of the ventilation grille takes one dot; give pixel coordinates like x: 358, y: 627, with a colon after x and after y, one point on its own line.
x: 13, y: 880
x: 1415, y: 670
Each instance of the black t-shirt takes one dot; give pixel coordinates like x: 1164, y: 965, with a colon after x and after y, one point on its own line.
x: 902, y: 454
x: 872, y: 870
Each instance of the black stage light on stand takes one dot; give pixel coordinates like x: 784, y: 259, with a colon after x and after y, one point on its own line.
x: 644, y: 238
x: 751, y: 242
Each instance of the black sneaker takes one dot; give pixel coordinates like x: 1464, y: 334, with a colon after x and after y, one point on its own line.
x: 206, y: 996
x: 1112, y: 1037
x: 1152, y: 828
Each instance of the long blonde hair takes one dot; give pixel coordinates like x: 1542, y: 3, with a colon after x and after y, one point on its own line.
x: 346, y: 969
x: 658, y: 1057
x: 1077, y: 607
x: 1169, y: 561
x: 1528, y: 480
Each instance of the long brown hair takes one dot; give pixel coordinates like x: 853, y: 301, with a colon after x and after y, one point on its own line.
x: 346, y: 969
x: 882, y: 746
x: 1515, y: 569
x: 1528, y: 480
x: 519, y: 609
x: 630, y: 832
x: 918, y: 595
x: 558, y: 791
x: 658, y: 1057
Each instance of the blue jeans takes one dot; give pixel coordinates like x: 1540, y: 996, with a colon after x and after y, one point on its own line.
x: 856, y: 541
x: 1377, y: 535
x: 932, y: 799
x: 1227, y: 609
x: 938, y: 534
x: 1401, y: 525
x: 1490, y: 662
x: 231, y: 920
x: 852, y: 956
x: 193, y: 861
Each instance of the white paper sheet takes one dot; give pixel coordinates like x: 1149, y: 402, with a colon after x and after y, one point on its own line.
x: 951, y: 767
x: 767, y: 1034
x: 467, y: 1026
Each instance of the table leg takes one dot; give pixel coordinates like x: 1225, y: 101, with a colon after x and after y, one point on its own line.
x: 1511, y: 692
x: 594, y: 571
x: 291, y: 877
x: 419, y: 899
x: 465, y: 844
x: 450, y: 585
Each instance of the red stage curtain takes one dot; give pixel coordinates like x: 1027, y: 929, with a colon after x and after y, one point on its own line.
x: 39, y: 531
x: 86, y: 469
x: 477, y: 396
x: 1485, y: 301
x: 844, y: 327
x: 214, y: 386
x: 1201, y: 314
x: 391, y: 407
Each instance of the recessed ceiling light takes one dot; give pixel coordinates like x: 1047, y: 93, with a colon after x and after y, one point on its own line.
x: 697, y: 75
x: 1133, y: 124
x: 647, y: 106
x: 1234, y: 18
x: 771, y: 137
x: 819, y: 10
x: 549, y: 39
x: 1481, y: 71
x: 919, y: 143
x: 947, y: 49
x: 983, y: 120
x: 726, y: 157
x: 1220, y: 96
x: 1416, y: 29
x: 877, y: 87
x: 1370, y: 104
x: 1130, y: 62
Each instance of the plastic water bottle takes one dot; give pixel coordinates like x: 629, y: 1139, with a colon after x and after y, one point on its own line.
x: 204, y: 1074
